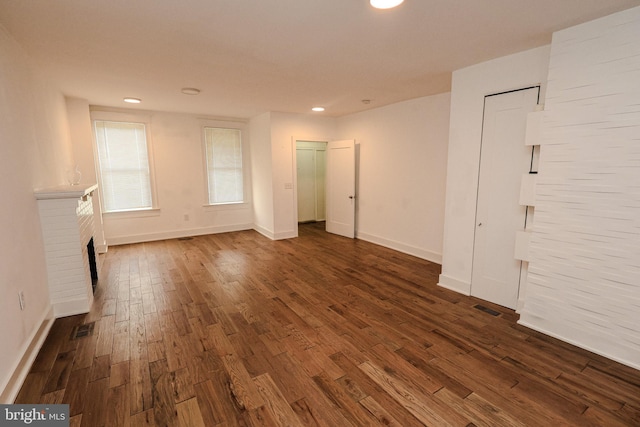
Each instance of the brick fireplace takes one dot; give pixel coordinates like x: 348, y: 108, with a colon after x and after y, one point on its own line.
x: 66, y: 216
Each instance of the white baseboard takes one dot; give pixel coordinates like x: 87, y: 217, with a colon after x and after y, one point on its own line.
x: 275, y: 236
x: 578, y: 344
x: 265, y: 232
x: 29, y: 352
x: 401, y: 247
x: 455, y: 285
x: 175, y: 234
x: 285, y: 235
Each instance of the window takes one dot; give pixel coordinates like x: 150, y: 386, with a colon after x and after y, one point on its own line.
x: 123, y: 159
x: 224, y: 165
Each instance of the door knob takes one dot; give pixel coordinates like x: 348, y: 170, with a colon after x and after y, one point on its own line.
x: 480, y: 224
x: 351, y: 197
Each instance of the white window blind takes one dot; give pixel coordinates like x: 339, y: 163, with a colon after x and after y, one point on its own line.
x: 124, y: 165
x: 224, y: 165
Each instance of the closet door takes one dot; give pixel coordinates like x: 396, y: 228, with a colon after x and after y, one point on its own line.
x: 311, y: 176
x: 503, y: 160
x: 305, y: 158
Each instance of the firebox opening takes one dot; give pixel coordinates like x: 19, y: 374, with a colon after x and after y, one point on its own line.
x: 93, y: 267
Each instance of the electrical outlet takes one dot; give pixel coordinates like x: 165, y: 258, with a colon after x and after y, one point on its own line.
x: 21, y: 299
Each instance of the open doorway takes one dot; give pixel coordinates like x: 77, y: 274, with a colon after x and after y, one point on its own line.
x: 311, y: 180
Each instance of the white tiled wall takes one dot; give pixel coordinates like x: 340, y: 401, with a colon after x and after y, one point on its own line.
x: 67, y: 227
x: 584, y: 271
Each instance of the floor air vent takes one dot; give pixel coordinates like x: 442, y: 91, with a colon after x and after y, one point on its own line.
x: 82, y: 331
x: 487, y: 310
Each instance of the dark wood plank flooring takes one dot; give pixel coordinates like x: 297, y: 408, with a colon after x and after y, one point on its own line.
x: 237, y: 330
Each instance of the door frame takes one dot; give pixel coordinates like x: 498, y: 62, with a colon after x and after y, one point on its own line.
x: 294, y: 174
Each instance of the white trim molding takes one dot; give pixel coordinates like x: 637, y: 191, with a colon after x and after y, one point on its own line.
x: 401, y: 247
x: 455, y: 285
x: 175, y: 234
x: 29, y: 352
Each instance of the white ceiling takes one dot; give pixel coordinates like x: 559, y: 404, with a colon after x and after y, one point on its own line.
x: 252, y: 56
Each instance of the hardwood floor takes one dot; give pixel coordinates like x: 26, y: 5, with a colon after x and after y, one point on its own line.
x: 235, y: 329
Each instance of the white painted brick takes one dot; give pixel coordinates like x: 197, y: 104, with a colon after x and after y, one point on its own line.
x: 67, y: 227
x: 521, y: 250
x: 528, y: 190
x: 532, y: 134
x: 584, y: 271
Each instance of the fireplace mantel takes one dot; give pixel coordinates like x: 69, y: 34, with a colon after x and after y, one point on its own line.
x: 65, y: 192
x: 66, y: 218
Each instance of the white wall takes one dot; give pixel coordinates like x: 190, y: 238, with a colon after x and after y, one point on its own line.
x: 34, y: 137
x: 285, y: 129
x: 81, y: 136
x: 469, y: 87
x: 404, y: 211
x: 584, y: 270
x: 262, y: 174
x: 402, y: 173
x: 177, y: 155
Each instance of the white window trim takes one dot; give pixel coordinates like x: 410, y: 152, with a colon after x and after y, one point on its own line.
x: 134, y: 213
x: 131, y: 117
x: 227, y: 206
x: 244, y: 141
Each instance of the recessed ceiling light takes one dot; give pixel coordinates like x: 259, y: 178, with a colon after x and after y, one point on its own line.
x: 190, y: 91
x: 318, y: 109
x: 133, y: 100
x: 385, y: 4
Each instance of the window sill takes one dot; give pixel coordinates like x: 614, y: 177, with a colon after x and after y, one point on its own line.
x: 137, y: 213
x: 226, y: 206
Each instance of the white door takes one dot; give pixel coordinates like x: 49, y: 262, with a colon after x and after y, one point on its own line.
x: 503, y: 160
x: 341, y: 187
